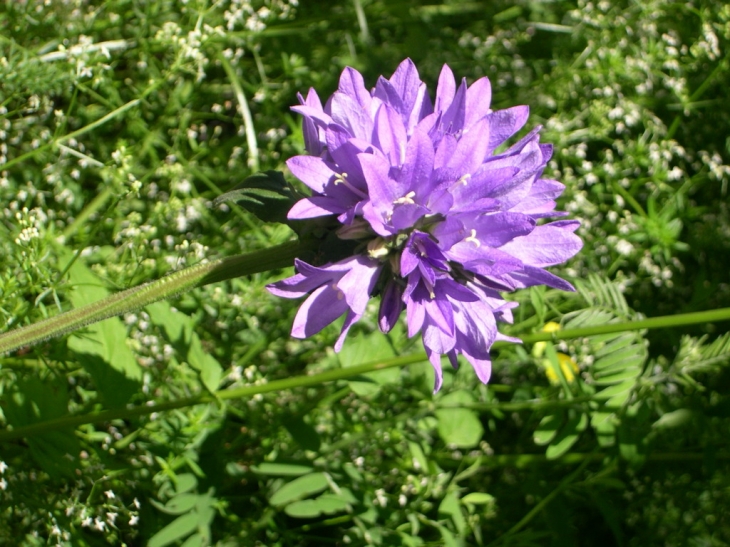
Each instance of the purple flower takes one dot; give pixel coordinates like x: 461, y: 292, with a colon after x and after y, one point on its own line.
x: 443, y: 222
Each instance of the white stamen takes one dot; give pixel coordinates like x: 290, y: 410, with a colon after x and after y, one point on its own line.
x: 464, y: 179
x: 473, y: 238
x: 408, y: 198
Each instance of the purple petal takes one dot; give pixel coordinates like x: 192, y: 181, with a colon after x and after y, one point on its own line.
x: 506, y: 123
x: 418, y: 166
x: 358, y: 283
x: 353, y: 85
x: 386, y: 92
x: 350, y: 320
x: 406, y: 82
x: 452, y: 121
x: 391, y: 306
x: 318, y: 115
x: 323, y: 306
x: 478, y: 100
x: 546, y: 245
x: 312, y: 171
x: 390, y: 135
x: 530, y: 276
x: 445, y: 90
x: 435, y: 360
x: 350, y: 115
x: 470, y: 149
x: 314, y: 207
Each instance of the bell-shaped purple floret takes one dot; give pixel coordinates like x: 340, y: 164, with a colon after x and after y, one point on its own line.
x: 343, y: 287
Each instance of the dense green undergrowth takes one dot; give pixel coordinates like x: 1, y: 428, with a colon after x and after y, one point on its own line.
x: 122, y: 121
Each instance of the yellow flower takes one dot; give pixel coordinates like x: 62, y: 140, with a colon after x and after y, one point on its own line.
x: 539, y: 348
x: 568, y: 367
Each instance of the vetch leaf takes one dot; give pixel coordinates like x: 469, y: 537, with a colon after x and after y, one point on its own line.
x: 548, y: 428
x: 566, y: 437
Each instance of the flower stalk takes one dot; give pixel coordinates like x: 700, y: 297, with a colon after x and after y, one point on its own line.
x: 133, y: 299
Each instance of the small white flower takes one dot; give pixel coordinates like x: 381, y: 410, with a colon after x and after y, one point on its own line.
x: 3, y: 466
x: 109, y: 494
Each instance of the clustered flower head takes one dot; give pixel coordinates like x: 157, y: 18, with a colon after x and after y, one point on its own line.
x: 445, y: 219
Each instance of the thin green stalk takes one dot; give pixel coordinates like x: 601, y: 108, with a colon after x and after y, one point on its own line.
x: 138, y: 297
x: 253, y: 147
x: 96, y: 204
x: 236, y: 393
x: 682, y: 319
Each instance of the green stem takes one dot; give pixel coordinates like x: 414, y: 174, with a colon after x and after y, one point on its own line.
x: 682, y: 319
x: 253, y: 148
x: 138, y: 297
x: 236, y: 393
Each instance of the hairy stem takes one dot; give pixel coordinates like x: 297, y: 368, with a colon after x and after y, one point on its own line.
x: 138, y: 297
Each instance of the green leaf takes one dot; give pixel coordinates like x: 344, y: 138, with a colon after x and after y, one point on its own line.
x: 450, y: 507
x: 299, y: 488
x: 196, y: 540
x: 676, y: 418
x: 178, y: 329
x: 446, y: 535
x: 548, y: 428
x: 566, y: 437
x: 478, y: 498
x: 185, y: 482
x: 618, y: 342
x: 31, y: 400
x: 179, y: 528
x: 420, y: 462
x: 267, y: 195
x: 101, y: 348
x: 631, y: 355
x: 363, y: 349
x: 281, y: 469
x: 459, y: 427
x: 181, y: 504
x: 326, y: 504
x: 625, y: 374
x: 612, y: 391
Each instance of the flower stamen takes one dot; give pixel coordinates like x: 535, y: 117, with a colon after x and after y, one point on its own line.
x: 341, y: 178
x: 408, y: 198
x: 473, y: 239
